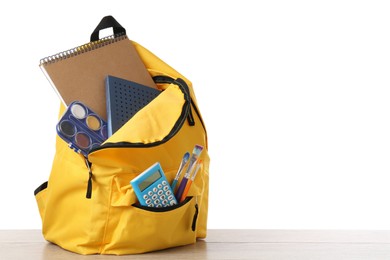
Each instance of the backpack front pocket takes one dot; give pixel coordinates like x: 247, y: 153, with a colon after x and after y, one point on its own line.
x: 138, y: 229
x: 131, y: 228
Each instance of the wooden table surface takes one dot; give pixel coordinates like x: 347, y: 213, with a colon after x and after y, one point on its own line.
x: 225, y: 244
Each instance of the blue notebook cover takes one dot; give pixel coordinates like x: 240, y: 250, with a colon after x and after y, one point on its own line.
x: 124, y: 99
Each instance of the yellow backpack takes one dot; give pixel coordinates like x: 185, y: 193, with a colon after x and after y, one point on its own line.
x: 88, y: 205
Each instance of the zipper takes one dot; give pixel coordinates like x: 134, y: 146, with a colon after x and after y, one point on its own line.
x: 41, y: 187
x: 167, y: 79
x: 154, y: 209
x: 194, y: 218
x: 193, y: 226
x: 89, y: 185
x: 183, y: 85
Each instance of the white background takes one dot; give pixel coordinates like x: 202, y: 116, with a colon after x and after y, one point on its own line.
x: 295, y: 96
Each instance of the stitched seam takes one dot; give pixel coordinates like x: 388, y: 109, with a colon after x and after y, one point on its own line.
x: 103, y: 243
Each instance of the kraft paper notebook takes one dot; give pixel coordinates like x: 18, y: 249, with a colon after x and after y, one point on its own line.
x: 79, y: 74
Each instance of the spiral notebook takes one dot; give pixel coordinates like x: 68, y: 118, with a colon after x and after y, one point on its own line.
x: 124, y: 99
x: 79, y: 73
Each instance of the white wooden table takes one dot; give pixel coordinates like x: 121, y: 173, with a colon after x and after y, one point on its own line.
x: 225, y: 244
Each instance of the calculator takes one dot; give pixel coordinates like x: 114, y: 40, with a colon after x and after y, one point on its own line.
x: 152, y: 188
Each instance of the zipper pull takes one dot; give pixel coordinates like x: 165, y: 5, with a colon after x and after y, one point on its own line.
x: 195, y: 215
x: 89, y: 186
x: 190, y: 117
x: 183, y: 84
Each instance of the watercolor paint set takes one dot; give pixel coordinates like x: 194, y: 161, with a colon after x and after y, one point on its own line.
x: 81, y: 128
x: 84, y: 129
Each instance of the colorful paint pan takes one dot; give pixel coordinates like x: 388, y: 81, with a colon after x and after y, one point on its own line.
x: 81, y: 128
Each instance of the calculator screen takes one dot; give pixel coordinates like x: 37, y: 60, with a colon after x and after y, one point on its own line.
x: 150, y: 180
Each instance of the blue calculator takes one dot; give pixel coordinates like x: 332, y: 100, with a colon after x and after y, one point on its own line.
x: 153, y: 189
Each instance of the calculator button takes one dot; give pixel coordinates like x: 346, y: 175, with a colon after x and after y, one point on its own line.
x: 172, y: 203
x: 145, y: 197
x: 166, y: 188
x: 158, y: 206
x: 164, y: 183
x: 160, y: 192
x: 162, y: 197
x: 164, y: 202
x: 168, y: 192
x: 156, y: 201
x: 148, y: 201
x: 159, y: 186
x: 170, y: 197
x: 154, y: 189
x: 154, y: 197
x: 150, y: 193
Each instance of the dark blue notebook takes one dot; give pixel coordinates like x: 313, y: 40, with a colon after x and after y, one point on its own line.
x: 124, y: 99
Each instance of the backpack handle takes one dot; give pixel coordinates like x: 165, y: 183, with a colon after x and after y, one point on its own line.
x: 107, y: 22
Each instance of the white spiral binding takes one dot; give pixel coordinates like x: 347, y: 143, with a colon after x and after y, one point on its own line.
x: 82, y: 49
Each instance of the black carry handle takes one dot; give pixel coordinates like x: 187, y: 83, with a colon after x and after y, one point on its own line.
x: 107, y: 22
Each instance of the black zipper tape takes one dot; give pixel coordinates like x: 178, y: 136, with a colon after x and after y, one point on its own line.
x: 163, y: 79
x: 195, y: 217
x: 89, y: 185
x: 163, y: 209
x: 186, y: 89
x: 168, y: 80
x: 184, y: 86
x: 40, y: 188
x: 170, y: 208
x: 190, y: 118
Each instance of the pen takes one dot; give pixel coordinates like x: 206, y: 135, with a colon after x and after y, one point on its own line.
x: 190, y: 181
x: 194, y: 158
x: 181, y: 167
